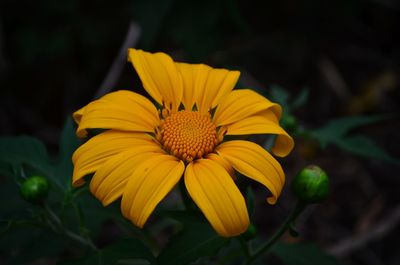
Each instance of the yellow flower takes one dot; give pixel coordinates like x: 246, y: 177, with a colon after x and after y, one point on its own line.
x: 145, y: 151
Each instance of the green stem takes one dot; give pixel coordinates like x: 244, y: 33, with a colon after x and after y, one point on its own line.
x: 57, y: 226
x: 285, y: 226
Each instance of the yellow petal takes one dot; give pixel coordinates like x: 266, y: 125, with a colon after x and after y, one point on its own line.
x: 111, y: 178
x: 256, y: 163
x: 100, y: 148
x: 219, y: 83
x: 225, y: 164
x: 78, y: 115
x: 148, y: 185
x: 159, y: 76
x: 215, y: 193
x: 121, y: 110
x: 193, y: 82
x: 240, y: 104
x: 264, y: 122
x: 205, y: 86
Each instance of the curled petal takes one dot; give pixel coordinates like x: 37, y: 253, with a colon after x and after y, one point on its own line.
x: 121, y: 110
x: 215, y: 193
x: 256, y: 163
x: 78, y: 115
x: 152, y: 180
x: 264, y: 122
x: 159, y: 76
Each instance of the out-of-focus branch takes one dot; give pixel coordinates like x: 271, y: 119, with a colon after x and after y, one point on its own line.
x: 347, y: 245
x: 333, y: 78
x: 131, y: 39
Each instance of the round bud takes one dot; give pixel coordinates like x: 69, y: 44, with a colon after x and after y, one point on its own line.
x: 34, y: 189
x: 311, y: 185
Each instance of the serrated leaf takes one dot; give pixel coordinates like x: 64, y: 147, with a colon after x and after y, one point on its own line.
x: 125, y: 249
x: 302, y: 254
x: 196, y: 239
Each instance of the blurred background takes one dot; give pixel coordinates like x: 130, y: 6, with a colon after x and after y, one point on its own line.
x: 55, y: 57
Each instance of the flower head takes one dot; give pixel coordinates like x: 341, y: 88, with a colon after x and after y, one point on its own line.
x: 145, y: 150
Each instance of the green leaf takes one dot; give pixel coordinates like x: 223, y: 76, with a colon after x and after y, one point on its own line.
x: 302, y: 254
x: 335, y: 132
x: 125, y: 249
x: 20, y: 150
x: 196, y: 239
x: 363, y: 146
x: 337, y: 128
x: 69, y: 142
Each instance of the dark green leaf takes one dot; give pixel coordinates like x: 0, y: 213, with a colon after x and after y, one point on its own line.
x: 363, y: 146
x: 337, y: 128
x: 21, y: 150
x: 126, y: 249
x: 69, y: 142
x: 196, y: 239
x: 302, y: 254
x: 335, y: 132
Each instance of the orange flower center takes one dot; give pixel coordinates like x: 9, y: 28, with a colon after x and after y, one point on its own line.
x: 188, y: 135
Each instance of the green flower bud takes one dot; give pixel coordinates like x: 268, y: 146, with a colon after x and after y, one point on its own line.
x: 311, y: 185
x: 250, y: 233
x: 34, y: 189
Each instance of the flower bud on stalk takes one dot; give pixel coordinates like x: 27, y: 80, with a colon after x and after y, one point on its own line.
x: 311, y: 185
x: 34, y: 189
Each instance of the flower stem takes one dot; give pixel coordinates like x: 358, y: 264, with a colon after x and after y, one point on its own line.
x: 58, y: 227
x: 282, y: 229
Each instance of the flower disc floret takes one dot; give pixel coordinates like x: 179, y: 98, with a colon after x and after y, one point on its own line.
x: 188, y: 135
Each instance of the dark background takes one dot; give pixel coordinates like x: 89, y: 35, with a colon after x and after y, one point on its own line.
x: 54, y: 56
